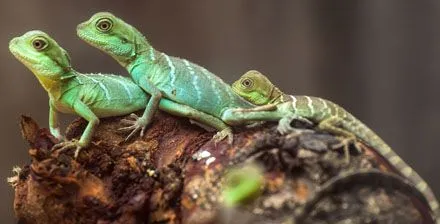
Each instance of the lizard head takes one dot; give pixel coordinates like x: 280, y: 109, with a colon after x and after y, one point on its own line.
x: 42, y: 55
x: 113, y: 36
x: 254, y: 87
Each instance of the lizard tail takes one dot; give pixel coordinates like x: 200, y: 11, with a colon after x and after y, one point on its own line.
x: 385, y: 151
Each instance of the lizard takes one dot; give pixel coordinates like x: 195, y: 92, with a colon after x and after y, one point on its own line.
x: 91, y: 96
x: 258, y: 89
x: 163, y: 76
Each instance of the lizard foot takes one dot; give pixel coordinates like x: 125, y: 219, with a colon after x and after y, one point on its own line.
x: 72, y: 144
x: 227, y: 132
x: 135, y: 124
x: 57, y: 134
x: 345, y: 144
x: 284, y: 126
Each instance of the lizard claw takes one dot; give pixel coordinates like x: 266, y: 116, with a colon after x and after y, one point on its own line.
x: 227, y: 132
x: 135, y: 124
x: 345, y: 144
x: 64, y: 146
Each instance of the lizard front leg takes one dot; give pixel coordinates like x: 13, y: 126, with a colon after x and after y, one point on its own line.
x: 267, y: 107
x: 140, y: 123
x: 53, y: 122
x: 193, y: 114
x: 237, y: 116
x: 85, y: 112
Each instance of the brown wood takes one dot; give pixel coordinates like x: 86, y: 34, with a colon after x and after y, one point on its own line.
x: 162, y: 178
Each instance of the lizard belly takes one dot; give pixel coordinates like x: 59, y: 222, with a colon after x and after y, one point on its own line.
x: 63, y: 107
x: 118, y: 107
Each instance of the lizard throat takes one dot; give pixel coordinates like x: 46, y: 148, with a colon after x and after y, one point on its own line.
x: 47, y: 83
x: 52, y: 85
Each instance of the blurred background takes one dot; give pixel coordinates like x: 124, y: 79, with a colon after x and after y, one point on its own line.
x: 378, y: 59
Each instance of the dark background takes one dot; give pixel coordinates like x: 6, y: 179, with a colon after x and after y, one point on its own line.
x: 378, y: 59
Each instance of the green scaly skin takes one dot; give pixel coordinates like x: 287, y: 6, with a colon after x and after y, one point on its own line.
x: 91, y: 96
x: 258, y: 89
x: 163, y: 76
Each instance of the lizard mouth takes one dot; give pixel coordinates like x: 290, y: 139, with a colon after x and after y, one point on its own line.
x: 23, y: 58
x: 93, y: 41
x: 237, y: 90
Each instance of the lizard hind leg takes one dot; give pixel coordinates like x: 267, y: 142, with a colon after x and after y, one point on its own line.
x: 284, y: 125
x: 331, y: 125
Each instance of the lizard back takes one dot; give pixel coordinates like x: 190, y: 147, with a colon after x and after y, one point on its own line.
x: 106, y: 95
x: 191, y: 84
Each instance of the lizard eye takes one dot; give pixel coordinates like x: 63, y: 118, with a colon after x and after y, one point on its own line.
x: 104, y: 25
x: 40, y: 43
x: 248, y: 83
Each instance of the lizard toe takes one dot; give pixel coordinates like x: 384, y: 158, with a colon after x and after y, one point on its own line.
x: 134, y: 116
x: 77, y: 151
x: 143, y: 131
x: 127, y: 122
x: 345, y: 144
x: 64, y: 146
x: 132, y: 133
x: 227, y: 132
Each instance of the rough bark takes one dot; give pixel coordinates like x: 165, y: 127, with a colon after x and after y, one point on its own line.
x: 174, y: 174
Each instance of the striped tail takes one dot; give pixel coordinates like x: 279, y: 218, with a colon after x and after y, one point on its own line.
x: 367, y: 135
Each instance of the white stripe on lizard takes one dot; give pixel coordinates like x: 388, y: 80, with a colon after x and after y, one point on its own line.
x: 152, y: 57
x: 79, y: 80
x: 310, y: 105
x: 195, y: 79
x: 294, y: 103
x: 213, y: 84
x: 172, y: 69
x: 124, y: 84
x: 106, y: 93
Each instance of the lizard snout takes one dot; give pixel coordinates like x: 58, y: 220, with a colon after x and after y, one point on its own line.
x: 80, y: 26
x: 14, y: 41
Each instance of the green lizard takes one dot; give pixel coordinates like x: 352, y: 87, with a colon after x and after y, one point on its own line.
x: 91, y: 96
x: 258, y: 89
x: 163, y: 76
